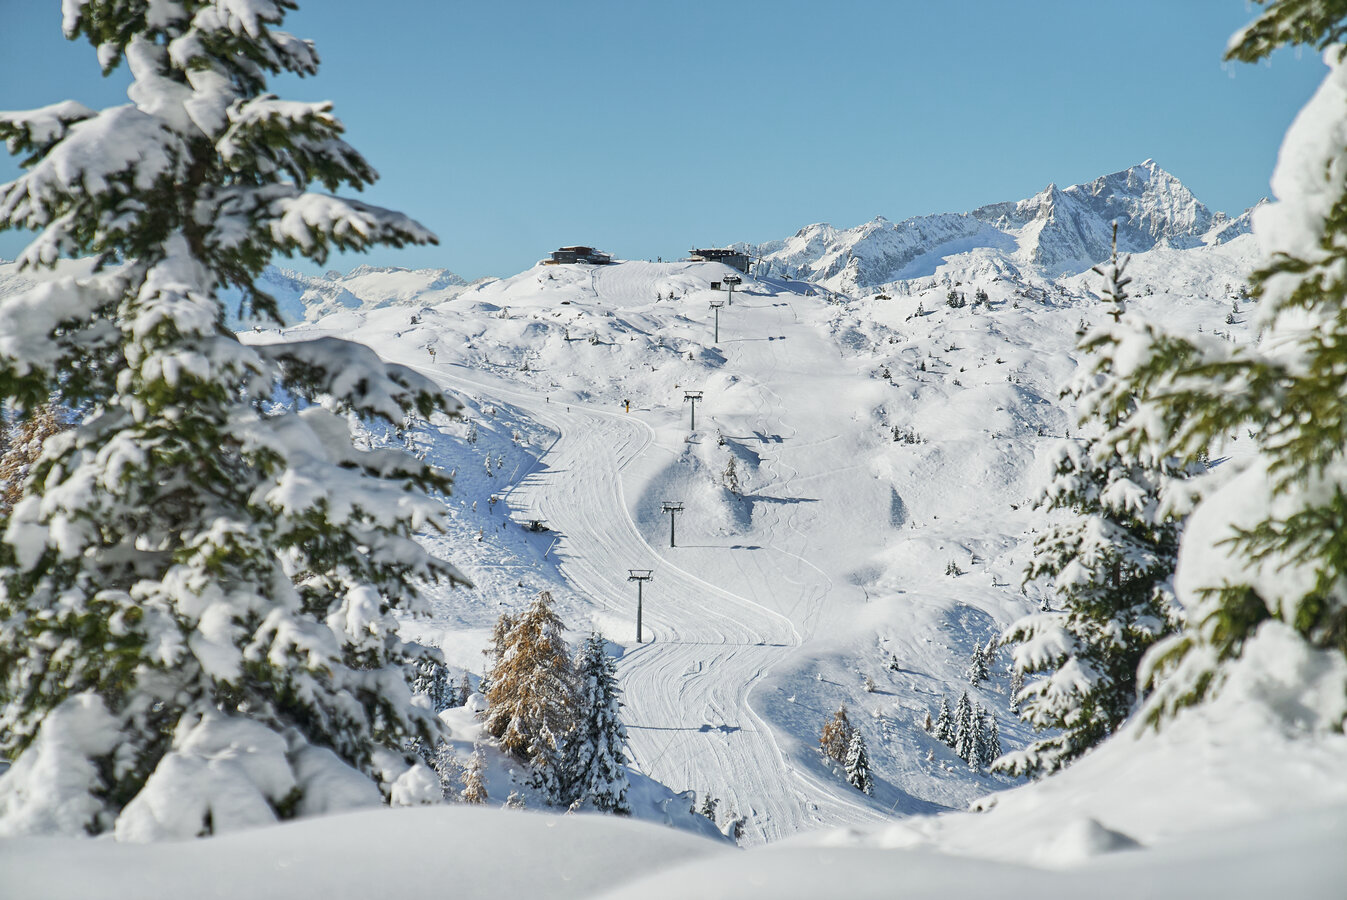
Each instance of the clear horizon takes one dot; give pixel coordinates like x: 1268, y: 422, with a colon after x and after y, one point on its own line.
x: 645, y: 129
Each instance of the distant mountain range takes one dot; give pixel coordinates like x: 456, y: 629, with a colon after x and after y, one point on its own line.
x: 1058, y: 231
x: 311, y: 297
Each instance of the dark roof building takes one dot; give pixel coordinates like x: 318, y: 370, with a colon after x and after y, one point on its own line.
x: 565, y: 255
x: 734, y: 258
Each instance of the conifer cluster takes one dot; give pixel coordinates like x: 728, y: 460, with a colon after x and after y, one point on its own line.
x: 843, y: 742
x: 970, y: 731
x: 561, y: 717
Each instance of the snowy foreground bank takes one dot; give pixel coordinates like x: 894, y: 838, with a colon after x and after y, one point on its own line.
x: 1243, y: 797
x: 469, y: 852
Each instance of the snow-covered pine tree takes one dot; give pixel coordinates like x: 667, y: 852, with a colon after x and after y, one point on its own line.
x: 944, y: 723
x: 977, y: 670
x: 730, y: 478
x: 594, y: 772
x: 836, y: 736
x: 1111, y: 562
x: 451, y: 693
x: 964, y: 726
x: 532, y: 692
x: 1263, y: 549
x: 446, y: 765
x: 734, y: 825
x: 977, y: 747
x: 991, y: 740
x: 927, y: 724
x: 196, y: 566
x: 708, y: 808
x: 1016, y: 685
x: 474, y: 778
x: 431, y: 678
x: 546, y: 761
x: 857, y: 764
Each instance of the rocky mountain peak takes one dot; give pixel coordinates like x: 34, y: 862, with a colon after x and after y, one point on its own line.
x: 1055, y: 232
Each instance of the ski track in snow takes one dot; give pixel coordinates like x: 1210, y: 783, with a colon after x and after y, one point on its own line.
x: 687, y: 688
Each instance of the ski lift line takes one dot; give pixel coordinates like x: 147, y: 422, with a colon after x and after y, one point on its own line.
x: 816, y: 788
x: 649, y: 439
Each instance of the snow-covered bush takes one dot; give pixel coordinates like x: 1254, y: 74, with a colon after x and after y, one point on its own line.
x: 208, y: 576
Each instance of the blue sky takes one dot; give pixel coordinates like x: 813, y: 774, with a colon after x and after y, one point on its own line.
x: 645, y: 127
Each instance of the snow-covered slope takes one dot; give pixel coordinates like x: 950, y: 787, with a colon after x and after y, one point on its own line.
x: 1057, y: 231
x: 876, y: 441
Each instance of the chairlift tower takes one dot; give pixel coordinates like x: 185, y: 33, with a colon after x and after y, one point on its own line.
x: 692, y: 396
x: 640, y: 576
x: 716, y: 305
x: 673, y: 508
x: 730, y: 281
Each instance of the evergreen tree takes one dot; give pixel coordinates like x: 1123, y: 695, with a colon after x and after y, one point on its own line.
x: 1112, y: 562
x: 964, y: 726
x: 836, y: 735
x: 452, y: 696
x: 731, y: 477
x: 927, y: 725
x: 734, y: 825
x: 991, y: 741
x: 857, y: 764
x: 546, y: 765
x: 944, y: 724
x: 595, y: 754
x: 196, y: 562
x: 1016, y: 685
x: 431, y: 678
x: 532, y: 693
x: 445, y: 765
x: 977, y: 670
x: 709, y: 804
x: 977, y: 748
x: 1270, y: 535
x: 474, y: 778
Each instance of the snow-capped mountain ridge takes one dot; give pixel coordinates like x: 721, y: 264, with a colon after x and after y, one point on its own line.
x: 1058, y: 231
x: 303, y: 297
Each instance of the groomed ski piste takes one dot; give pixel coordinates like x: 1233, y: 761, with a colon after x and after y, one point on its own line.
x: 887, y: 451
